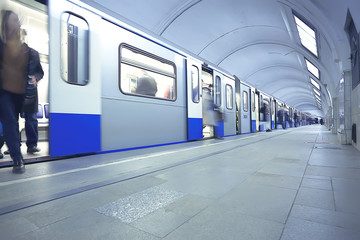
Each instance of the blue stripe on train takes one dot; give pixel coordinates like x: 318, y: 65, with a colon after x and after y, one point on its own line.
x: 195, y: 128
x: 253, y: 125
x: 74, y: 133
x: 219, y: 129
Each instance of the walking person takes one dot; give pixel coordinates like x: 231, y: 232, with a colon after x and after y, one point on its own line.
x: 14, y: 65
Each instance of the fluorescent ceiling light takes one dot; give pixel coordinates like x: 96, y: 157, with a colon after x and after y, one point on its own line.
x: 311, y: 68
x: 307, y: 36
x: 315, y: 83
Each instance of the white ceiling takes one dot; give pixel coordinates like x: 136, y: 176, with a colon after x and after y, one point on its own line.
x: 256, y: 40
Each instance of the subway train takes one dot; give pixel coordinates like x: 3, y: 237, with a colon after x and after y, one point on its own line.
x: 112, y: 87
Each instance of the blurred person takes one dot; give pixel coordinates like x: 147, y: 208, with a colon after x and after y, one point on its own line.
x: 14, y: 64
x: 146, y: 85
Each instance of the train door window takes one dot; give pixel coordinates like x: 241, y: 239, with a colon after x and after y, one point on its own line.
x: 146, y: 75
x: 245, y: 101
x: 252, y: 101
x: 74, y: 49
x: 229, y: 97
x: 195, y: 86
x: 217, y: 91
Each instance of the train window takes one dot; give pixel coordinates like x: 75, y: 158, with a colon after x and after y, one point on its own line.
x: 144, y: 74
x: 217, y: 91
x: 252, y: 101
x: 245, y: 101
x: 195, y: 84
x: 229, y: 97
x: 74, y: 49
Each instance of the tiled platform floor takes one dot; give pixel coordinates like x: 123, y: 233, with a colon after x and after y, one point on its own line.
x: 289, y: 184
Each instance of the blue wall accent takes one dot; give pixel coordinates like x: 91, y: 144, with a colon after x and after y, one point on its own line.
x: 272, y: 125
x: 262, y: 127
x: 71, y: 134
x: 219, y: 129
x: 253, y: 125
x: 195, y: 128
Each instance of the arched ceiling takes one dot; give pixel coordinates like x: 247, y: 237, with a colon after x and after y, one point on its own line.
x: 256, y: 40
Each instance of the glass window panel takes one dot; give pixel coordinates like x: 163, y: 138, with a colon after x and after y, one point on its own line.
x: 217, y: 91
x: 74, y: 49
x: 317, y: 92
x: 146, y: 75
x: 245, y: 101
x: 253, y: 101
x: 315, y: 84
x: 311, y: 68
x: 195, y: 84
x: 229, y: 97
x: 307, y: 36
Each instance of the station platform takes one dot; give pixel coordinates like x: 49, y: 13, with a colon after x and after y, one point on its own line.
x: 296, y: 183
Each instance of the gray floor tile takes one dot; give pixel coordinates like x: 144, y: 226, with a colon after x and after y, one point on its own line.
x: 324, y: 184
x: 275, y: 180
x: 223, y: 224
x: 327, y: 217
x: 353, y: 173
x: 347, y: 201
x: 343, y: 184
x: 285, y: 166
x: 266, y: 202
x: 208, y: 183
x: 89, y: 225
x: 160, y: 223
x: 298, y: 229
x: 189, y: 205
x: 11, y: 227
x: 315, y: 198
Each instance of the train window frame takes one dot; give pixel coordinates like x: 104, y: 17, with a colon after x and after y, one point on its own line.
x: 229, y: 99
x: 245, y: 101
x: 217, y: 91
x: 64, y: 52
x: 195, y: 95
x: 148, y: 69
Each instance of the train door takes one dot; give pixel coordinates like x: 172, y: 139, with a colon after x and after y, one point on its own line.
x: 238, y: 105
x: 229, y: 119
x: 253, y: 109
x: 35, y: 34
x: 264, y: 112
x: 75, y: 87
x: 279, y: 115
x: 245, y: 116
x: 194, y: 101
x: 218, y: 80
x: 257, y: 111
x: 272, y: 113
x: 207, y: 95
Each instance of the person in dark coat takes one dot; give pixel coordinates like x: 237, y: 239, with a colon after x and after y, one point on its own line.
x: 30, y: 108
